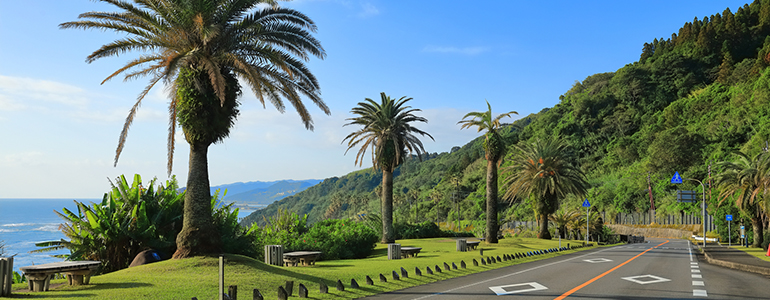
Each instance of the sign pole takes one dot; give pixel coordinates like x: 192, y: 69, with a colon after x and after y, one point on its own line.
x: 729, y: 235
x: 587, y: 205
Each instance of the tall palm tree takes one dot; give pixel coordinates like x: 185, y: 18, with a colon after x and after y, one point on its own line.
x: 745, y: 182
x: 201, y: 49
x: 387, y: 130
x: 544, y: 171
x: 494, y: 151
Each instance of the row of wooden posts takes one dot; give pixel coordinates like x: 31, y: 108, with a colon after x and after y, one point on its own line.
x: 286, y: 291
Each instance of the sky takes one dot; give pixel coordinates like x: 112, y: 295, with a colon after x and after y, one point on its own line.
x: 59, y: 125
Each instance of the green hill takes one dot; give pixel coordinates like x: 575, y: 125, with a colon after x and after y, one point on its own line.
x: 689, y: 100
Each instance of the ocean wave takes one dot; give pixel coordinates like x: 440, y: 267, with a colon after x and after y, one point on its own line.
x: 18, y: 224
x: 8, y: 230
x: 49, y: 228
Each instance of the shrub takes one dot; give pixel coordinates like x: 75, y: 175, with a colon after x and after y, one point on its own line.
x: 338, y: 239
x: 284, y: 229
x: 422, y: 230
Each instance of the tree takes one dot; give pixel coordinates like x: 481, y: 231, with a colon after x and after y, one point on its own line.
x: 494, y: 151
x: 544, y: 171
x: 199, y: 49
x: 745, y: 181
x: 387, y: 130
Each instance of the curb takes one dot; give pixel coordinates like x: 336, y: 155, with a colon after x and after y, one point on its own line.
x: 732, y: 265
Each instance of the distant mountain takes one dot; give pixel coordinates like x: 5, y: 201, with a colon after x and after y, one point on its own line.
x: 262, y: 192
x: 269, y: 194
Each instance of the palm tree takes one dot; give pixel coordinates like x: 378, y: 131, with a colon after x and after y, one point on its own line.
x: 494, y: 150
x: 745, y: 181
x: 562, y: 218
x: 200, y: 49
x: 543, y: 170
x: 387, y: 129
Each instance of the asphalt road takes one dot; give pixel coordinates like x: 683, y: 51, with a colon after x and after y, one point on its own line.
x: 658, y: 269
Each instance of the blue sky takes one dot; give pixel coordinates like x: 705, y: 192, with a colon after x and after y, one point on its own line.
x: 59, y: 127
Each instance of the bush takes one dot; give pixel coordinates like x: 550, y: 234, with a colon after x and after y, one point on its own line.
x: 282, y: 229
x: 338, y: 239
x: 423, y: 230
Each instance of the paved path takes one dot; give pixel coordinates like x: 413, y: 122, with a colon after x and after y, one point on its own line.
x: 659, y: 269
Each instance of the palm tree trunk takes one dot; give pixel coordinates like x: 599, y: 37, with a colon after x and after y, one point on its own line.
x: 387, y: 207
x: 544, y: 233
x: 198, y: 235
x: 756, y: 224
x: 491, y: 202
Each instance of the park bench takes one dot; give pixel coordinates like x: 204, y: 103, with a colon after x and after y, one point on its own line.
x: 78, y: 273
x: 306, y: 258
x: 409, y: 251
x: 472, y: 245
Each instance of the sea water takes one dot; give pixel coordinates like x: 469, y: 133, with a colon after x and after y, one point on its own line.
x: 24, y: 222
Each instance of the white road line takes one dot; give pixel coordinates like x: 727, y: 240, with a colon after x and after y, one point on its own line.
x: 511, y: 274
x: 698, y: 283
x: 694, y: 270
x: 694, y: 267
x: 697, y: 276
x: 689, y: 248
x: 699, y: 293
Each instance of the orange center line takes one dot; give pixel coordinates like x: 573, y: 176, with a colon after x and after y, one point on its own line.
x: 565, y: 295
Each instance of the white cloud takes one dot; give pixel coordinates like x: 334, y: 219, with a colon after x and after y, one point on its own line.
x: 368, y: 10
x: 455, y: 50
x: 39, y: 90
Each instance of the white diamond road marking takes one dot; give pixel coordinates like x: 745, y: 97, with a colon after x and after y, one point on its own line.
x: 697, y: 276
x: 639, y: 280
x: 597, y: 260
x: 698, y: 283
x: 534, y: 286
x: 699, y: 293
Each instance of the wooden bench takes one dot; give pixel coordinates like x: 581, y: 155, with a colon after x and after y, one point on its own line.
x: 306, y: 258
x: 78, y: 273
x: 472, y: 245
x: 409, y: 251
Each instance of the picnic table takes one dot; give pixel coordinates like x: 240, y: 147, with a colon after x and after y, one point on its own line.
x: 472, y: 245
x: 305, y: 258
x: 409, y: 251
x: 78, y: 273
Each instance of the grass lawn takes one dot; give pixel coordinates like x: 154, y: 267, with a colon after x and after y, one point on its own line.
x: 198, y: 276
x: 758, y: 252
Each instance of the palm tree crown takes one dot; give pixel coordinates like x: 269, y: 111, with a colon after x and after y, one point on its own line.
x: 494, y: 147
x: 543, y: 170
x: 387, y: 130
x: 222, y: 39
x: 745, y: 180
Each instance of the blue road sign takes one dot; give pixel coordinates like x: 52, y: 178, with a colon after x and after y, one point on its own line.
x: 742, y: 227
x: 729, y: 217
x: 676, y: 178
x: 586, y: 204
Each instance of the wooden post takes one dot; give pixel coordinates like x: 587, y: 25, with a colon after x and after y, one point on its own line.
x: 462, y: 245
x: 221, y: 277
x: 274, y: 255
x: 394, y: 251
x: 3, y: 273
x: 232, y: 291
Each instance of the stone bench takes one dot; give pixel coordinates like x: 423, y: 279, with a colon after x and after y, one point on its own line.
x: 472, y: 245
x: 306, y: 258
x: 409, y: 251
x: 78, y: 273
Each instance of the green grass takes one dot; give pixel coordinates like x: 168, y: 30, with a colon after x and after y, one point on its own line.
x: 757, y: 252
x: 198, y: 276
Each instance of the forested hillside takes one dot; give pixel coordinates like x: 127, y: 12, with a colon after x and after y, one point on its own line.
x: 689, y: 101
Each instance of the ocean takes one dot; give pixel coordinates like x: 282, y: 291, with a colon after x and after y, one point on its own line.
x: 24, y: 222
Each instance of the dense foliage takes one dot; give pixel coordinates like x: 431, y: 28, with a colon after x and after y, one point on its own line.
x: 336, y: 239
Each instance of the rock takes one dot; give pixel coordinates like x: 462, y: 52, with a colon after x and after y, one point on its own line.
x: 417, y: 271
x: 323, y: 288
x: 438, y: 270
x: 353, y: 283
x: 498, y: 259
x: 369, y: 280
x: 282, y: 293
x: 340, y: 287
x: 446, y: 267
x: 382, y: 278
x: 146, y: 257
x: 302, y: 291
x: 462, y: 264
x: 289, y: 287
x: 404, y: 273
x: 395, y: 276
x: 475, y: 263
x: 429, y: 270
x: 483, y: 262
x: 454, y: 267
